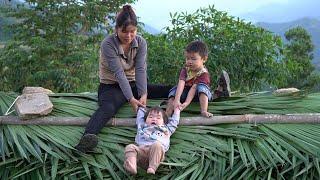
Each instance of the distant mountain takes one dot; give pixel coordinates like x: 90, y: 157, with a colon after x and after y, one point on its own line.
x: 5, y: 34
x: 12, y: 3
x: 151, y: 29
x: 312, y: 25
x: 284, y: 11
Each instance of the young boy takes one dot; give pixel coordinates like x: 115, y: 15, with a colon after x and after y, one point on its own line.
x: 194, y: 81
x: 152, y: 140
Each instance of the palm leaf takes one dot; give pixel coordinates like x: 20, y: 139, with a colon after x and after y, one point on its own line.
x: 226, y: 151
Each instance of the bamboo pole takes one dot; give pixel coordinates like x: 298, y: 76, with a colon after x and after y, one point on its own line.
x: 185, y: 121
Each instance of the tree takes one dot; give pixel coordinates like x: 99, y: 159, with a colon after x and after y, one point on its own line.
x: 247, y: 52
x: 56, y: 44
x: 298, y: 56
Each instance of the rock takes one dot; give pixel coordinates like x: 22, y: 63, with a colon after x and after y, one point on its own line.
x: 285, y: 91
x: 31, y: 90
x: 33, y: 105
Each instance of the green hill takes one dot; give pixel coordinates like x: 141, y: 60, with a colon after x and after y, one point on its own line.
x: 312, y: 25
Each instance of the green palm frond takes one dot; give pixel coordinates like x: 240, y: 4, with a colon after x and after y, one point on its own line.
x: 6, y: 100
x: 84, y: 104
x: 226, y: 151
x: 256, y: 151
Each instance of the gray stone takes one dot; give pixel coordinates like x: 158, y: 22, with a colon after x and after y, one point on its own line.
x: 31, y: 90
x: 286, y: 91
x: 33, y: 105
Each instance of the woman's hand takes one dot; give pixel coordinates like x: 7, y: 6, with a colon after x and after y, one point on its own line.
x: 135, y: 104
x: 143, y: 99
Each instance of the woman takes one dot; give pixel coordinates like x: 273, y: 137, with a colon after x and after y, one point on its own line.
x: 123, y: 77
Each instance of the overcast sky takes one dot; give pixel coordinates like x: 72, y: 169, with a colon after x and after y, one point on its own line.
x: 156, y: 12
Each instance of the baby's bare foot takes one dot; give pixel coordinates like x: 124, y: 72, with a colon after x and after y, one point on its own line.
x: 130, y: 166
x: 151, y: 171
x: 206, y: 114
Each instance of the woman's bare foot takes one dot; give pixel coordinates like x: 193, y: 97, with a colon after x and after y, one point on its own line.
x: 151, y: 171
x: 130, y: 165
x: 206, y: 114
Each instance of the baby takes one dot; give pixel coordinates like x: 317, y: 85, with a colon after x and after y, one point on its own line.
x: 154, y: 129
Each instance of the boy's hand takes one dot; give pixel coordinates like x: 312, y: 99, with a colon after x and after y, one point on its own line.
x: 184, y: 105
x: 176, y: 104
x: 177, y: 110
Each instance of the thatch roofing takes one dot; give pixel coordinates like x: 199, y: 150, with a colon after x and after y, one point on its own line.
x: 224, y: 151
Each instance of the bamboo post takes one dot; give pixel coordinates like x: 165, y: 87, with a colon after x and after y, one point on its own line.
x: 185, y: 121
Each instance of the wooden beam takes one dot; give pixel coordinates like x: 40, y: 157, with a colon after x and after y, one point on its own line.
x: 185, y: 121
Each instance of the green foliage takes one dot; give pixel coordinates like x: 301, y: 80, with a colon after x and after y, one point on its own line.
x: 35, y: 65
x: 56, y: 44
x: 312, y: 82
x: 5, y: 34
x: 164, y: 58
x: 298, y: 56
x: 247, y: 52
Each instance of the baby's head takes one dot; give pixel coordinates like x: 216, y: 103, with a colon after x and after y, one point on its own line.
x: 156, y: 116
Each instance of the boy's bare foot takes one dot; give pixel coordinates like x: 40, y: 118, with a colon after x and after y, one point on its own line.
x: 206, y: 114
x: 151, y: 171
x: 130, y: 165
